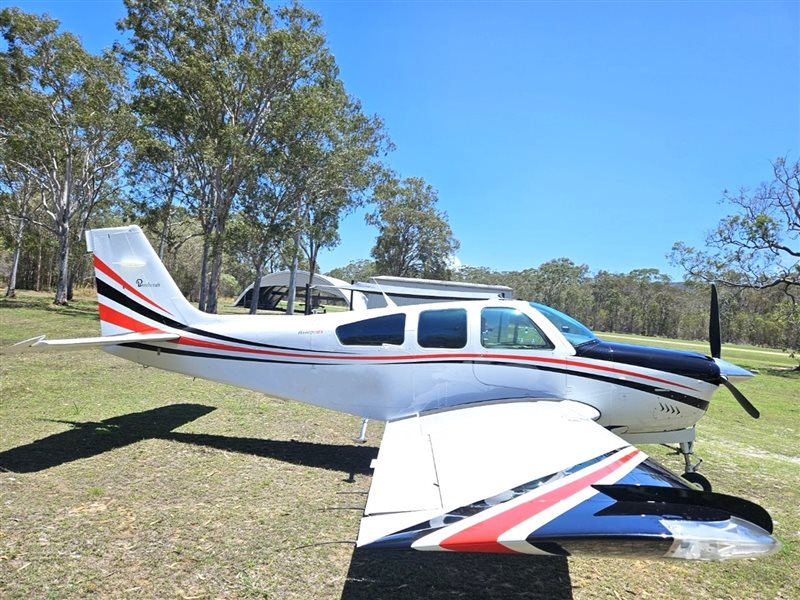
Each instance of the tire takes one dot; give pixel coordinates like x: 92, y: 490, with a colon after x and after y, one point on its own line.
x: 698, y: 479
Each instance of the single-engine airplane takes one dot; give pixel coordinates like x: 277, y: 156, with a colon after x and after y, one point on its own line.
x: 509, y: 424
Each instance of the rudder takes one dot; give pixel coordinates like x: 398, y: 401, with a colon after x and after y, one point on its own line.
x: 135, y: 291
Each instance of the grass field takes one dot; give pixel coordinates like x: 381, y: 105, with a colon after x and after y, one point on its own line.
x: 124, y: 482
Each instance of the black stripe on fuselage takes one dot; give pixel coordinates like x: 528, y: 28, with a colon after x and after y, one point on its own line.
x: 642, y: 387
x: 105, y: 290
x: 698, y: 403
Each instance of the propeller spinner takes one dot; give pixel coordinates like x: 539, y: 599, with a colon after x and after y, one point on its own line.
x: 728, y: 371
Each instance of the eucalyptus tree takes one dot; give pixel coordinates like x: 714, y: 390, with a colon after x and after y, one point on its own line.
x: 355, y: 270
x: 259, y: 229
x: 212, y: 79
x: 158, y: 183
x: 414, y: 237
x: 321, y: 167
x: 341, y: 169
x: 19, y: 205
x: 559, y: 283
x: 757, y: 246
x: 67, y: 109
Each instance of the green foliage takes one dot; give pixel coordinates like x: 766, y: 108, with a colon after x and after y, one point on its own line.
x: 357, y: 270
x: 647, y: 302
x: 414, y: 237
x: 757, y: 247
x: 64, y: 122
x: 215, y: 79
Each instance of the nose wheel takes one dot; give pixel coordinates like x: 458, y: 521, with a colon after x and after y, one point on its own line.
x: 692, y: 475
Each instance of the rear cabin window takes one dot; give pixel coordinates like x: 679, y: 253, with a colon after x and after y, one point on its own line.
x: 509, y: 328
x: 373, y: 332
x: 442, y: 328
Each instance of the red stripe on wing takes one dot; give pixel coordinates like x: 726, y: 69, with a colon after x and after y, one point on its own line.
x: 482, y: 537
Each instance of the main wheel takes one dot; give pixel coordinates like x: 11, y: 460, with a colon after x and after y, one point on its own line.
x: 698, y: 479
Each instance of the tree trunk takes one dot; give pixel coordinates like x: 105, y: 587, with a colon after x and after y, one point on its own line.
x: 64, y: 212
x: 11, y: 292
x: 216, y: 272
x: 38, y: 283
x: 312, y: 267
x: 162, y: 241
x: 256, y: 292
x: 201, y: 298
x: 167, y: 209
x: 63, y: 264
x: 293, y: 276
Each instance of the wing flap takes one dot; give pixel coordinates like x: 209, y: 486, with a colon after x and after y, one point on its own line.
x: 42, y: 344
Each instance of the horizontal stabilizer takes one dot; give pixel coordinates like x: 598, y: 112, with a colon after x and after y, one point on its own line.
x: 41, y: 344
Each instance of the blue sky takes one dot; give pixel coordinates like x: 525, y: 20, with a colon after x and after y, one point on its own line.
x: 599, y: 131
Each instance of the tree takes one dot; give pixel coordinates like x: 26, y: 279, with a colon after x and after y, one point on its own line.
x: 558, y: 283
x: 414, y: 238
x: 212, y: 79
x: 324, y: 163
x: 64, y: 120
x: 254, y: 243
x: 356, y: 270
x: 759, y: 245
x: 343, y: 172
x: 18, y: 204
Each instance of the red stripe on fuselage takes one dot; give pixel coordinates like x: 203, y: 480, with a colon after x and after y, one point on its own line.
x: 439, y: 356
x: 482, y: 537
x: 190, y: 341
x: 105, y: 269
x: 109, y: 315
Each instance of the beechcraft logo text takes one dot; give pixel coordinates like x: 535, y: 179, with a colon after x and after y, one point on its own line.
x: 142, y: 283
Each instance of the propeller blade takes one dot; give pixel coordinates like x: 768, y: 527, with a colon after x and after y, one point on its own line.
x: 714, y: 334
x: 740, y: 398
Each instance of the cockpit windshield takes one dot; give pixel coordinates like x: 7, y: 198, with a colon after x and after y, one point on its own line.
x: 576, y: 333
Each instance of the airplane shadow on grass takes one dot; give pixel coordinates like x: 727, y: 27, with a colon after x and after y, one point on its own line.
x: 372, y: 573
x: 399, y: 574
x: 87, y: 439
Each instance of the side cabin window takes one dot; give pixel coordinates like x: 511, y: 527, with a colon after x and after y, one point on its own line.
x: 504, y: 327
x: 373, y: 332
x: 442, y: 328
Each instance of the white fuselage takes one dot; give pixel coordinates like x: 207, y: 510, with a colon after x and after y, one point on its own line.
x: 304, y: 358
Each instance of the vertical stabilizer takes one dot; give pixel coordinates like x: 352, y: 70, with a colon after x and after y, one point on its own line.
x: 134, y: 289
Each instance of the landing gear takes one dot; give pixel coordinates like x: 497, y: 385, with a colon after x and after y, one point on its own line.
x: 691, y: 475
x: 362, y: 435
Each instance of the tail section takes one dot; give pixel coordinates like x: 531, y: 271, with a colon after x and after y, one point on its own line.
x: 134, y: 289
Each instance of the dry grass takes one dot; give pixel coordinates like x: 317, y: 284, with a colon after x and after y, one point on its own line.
x: 125, y: 482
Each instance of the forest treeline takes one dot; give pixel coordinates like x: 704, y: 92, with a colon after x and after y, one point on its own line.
x: 643, y: 301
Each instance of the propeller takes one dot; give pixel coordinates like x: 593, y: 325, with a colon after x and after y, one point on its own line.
x: 740, y: 397
x: 726, y: 369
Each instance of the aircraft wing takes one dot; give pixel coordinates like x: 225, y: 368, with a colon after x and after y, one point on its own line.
x: 41, y: 343
x: 540, y: 477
